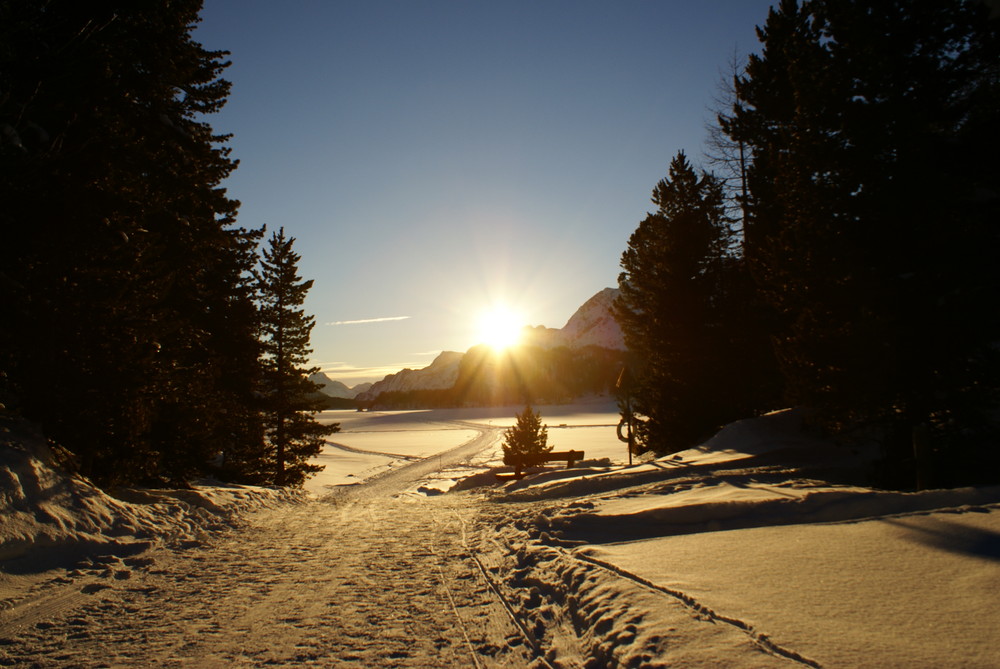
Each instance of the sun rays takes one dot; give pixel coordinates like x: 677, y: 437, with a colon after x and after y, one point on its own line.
x: 499, y: 327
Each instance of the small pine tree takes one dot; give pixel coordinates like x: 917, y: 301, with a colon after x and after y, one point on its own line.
x: 528, y: 436
x: 290, y: 397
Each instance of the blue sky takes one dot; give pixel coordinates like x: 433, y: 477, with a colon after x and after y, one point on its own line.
x: 434, y: 158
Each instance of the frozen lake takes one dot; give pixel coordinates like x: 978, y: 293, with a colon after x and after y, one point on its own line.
x: 371, y: 443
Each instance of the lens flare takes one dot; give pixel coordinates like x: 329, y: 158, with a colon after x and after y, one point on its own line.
x: 500, y: 328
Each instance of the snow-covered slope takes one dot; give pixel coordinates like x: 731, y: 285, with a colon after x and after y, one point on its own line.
x: 440, y: 374
x: 739, y: 554
x: 591, y: 325
x: 48, y: 517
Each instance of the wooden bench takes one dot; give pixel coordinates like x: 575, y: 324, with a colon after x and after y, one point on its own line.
x: 520, y: 462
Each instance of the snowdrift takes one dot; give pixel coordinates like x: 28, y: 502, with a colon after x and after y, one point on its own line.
x: 745, y: 549
x: 49, y: 519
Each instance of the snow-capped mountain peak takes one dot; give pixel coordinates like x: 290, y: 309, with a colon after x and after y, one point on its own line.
x: 442, y: 373
x: 591, y: 325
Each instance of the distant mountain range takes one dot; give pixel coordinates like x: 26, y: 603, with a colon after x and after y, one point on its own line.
x: 455, y: 377
x: 337, y: 389
x: 440, y: 374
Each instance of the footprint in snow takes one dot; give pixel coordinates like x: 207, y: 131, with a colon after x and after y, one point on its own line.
x: 91, y: 588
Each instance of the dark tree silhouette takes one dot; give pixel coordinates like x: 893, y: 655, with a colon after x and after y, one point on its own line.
x: 290, y: 397
x: 874, y: 198
x: 672, y: 310
x: 127, y: 327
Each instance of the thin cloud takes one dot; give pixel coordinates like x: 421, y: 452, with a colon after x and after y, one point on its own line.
x: 350, y: 374
x: 370, y: 320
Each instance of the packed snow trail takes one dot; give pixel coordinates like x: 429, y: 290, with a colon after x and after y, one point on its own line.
x: 713, y: 557
x: 367, y: 578
x: 371, y: 576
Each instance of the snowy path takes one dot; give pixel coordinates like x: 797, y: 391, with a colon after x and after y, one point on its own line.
x: 366, y: 579
x: 370, y: 576
x: 708, y: 559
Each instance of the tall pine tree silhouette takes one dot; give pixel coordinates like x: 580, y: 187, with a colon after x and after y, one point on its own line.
x: 672, y: 312
x: 290, y: 398
x: 871, y: 226
x: 126, y: 311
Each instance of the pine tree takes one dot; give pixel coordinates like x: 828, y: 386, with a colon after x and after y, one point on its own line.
x: 869, y: 232
x: 236, y: 433
x: 750, y: 351
x: 122, y: 271
x: 526, y: 437
x: 290, y: 397
x: 672, y: 310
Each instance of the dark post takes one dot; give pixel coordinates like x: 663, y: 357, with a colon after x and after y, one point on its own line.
x: 624, y: 386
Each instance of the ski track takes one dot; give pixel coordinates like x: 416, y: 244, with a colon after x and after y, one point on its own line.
x: 758, y: 638
x: 368, y: 577
x: 372, y: 576
x: 361, y: 451
x: 580, y: 613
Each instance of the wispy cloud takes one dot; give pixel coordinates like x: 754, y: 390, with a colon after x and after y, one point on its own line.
x: 370, y: 320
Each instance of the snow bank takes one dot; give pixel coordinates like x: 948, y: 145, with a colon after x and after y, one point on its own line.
x: 739, y: 502
x: 740, y: 549
x: 904, y: 590
x: 776, y: 440
x: 49, y: 519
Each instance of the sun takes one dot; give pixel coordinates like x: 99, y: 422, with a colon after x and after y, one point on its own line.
x: 500, y: 328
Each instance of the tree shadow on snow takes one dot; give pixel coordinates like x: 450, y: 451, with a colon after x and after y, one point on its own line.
x: 953, y: 537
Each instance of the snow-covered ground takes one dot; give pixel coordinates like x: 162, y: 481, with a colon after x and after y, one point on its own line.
x: 793, y: 569
x: 371, y: 443
x: 760, y: 548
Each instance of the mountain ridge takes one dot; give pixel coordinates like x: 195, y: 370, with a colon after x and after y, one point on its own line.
x: 338, y: 389
x: 591, y: 325
x: 439, y: 375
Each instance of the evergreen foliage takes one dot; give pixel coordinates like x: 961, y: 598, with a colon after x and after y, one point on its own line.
x: 861, y: 143
x: 290, y: 398
x: 526, y: 437
x: 675, y: 310
x: 128, y: 329
x: 874, y: 200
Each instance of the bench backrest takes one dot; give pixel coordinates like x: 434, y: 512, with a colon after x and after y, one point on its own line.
x: 532, y: 459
